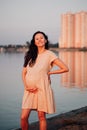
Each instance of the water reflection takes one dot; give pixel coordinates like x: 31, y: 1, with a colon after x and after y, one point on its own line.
x: 77, y: 63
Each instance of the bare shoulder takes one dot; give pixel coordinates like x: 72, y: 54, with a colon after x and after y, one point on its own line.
x: 24, y: 69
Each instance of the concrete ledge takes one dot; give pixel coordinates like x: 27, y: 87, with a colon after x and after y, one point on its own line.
x: 73, y: 120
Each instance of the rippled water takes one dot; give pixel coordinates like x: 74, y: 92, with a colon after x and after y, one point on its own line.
x: 70, y: 89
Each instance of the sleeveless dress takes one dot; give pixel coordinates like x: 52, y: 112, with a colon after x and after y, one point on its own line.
x: 43, y: 99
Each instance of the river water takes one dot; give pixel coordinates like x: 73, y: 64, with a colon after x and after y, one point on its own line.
x: 70, y: 89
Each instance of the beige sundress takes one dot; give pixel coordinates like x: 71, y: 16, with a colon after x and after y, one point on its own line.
x: 43, y: 99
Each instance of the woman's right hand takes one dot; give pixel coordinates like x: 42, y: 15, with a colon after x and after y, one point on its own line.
x: 32, y: 90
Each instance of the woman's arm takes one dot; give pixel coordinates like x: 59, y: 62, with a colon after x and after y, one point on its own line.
x: 61, y: 65
x: 24, y: 71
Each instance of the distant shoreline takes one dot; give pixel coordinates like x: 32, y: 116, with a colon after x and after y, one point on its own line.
x: 68, y: 49
x: 24, y: 49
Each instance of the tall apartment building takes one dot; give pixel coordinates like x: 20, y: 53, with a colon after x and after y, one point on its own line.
x: 73, y: 30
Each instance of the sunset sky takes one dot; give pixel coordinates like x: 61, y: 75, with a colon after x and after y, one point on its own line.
x: 19, y: 19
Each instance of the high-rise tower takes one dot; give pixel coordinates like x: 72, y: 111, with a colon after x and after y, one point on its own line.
x: 73, y: 30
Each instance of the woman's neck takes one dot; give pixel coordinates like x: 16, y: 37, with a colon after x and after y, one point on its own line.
x: 41, y: 50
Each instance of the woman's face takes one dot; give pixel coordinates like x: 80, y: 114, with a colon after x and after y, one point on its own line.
x: 40, y: 40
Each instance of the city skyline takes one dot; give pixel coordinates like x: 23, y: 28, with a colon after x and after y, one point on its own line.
x: 19, y: 19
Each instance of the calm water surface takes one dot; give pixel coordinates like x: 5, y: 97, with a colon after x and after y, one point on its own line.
x: 70, y: 89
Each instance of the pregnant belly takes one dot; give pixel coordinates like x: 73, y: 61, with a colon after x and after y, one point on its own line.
x: 31, y: 81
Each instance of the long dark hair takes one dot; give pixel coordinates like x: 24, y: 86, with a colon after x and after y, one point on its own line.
x: 31, y: 54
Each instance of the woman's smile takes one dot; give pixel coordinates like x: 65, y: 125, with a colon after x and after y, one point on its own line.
x: 40, y: 40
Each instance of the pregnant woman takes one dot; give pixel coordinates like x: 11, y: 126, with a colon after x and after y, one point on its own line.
x: 38, y: 94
